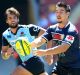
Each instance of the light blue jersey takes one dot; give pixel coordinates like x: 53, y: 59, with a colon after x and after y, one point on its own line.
x: 27, y: 31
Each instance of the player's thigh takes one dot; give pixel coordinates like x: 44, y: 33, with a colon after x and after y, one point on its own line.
x: 21, y: 71
x: 45, y: 73
x: 54, y: 74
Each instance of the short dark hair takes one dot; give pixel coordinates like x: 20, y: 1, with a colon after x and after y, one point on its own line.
x: 64, y: 5
x: 12, y: 10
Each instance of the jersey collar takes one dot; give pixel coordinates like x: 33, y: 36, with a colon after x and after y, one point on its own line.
x: 65, y: 25
x: 16, y: 30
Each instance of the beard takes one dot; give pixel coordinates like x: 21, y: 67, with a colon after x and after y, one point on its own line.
x: 13, y: 25
x: 59, y: 21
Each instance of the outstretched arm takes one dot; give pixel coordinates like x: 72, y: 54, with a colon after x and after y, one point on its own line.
x: 38, y: 42
x: 55, y: 50
x: 41, y: 32
x: 49, y: 58
x: 37, y: 32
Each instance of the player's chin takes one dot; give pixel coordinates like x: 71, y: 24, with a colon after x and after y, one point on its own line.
x: 59, y: 21
x: 13, y: 25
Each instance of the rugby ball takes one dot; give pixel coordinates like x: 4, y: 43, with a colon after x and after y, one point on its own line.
x: 22, y: 46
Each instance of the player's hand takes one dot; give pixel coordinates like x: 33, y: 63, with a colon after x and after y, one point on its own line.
x: 49, y: 59
x: 13, y: 53
x: 10, y: 51
x: 6, y: 54
x: 40, y: 52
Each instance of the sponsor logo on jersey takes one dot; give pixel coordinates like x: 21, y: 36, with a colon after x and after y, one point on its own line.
x: 8, y: 36
x: 22, y: 34
x: 69, y: 38
x: 58, y: 36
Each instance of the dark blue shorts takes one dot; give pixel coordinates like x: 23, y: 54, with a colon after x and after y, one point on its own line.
x: 61, y: 70
x: 35, y: 65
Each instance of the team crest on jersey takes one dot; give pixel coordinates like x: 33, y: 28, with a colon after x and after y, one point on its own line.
x: 58, y: 36
x: 22, y: 34
x: 69, y: 38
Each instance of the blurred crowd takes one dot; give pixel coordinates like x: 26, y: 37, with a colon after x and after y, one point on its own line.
x: 47, y: 14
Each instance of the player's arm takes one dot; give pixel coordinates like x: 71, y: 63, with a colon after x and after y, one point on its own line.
x: 51, y: 58
x: 53, y: 51
x: 57, y: 49
x: 42, y: 31
x: 37, y: 31
x: 38, y: 42
x: 6, y: 50
x: 66, y: 43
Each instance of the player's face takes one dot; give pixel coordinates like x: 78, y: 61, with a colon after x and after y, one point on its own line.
x: 12, y: 20
x: 61, y: 14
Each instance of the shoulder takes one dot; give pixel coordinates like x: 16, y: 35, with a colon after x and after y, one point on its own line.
x: 52, y: 27
x: 22, y: 26
x: 72, y: 28
x: 31, y: 25
x: 34, y: 27
x: 6, y: 31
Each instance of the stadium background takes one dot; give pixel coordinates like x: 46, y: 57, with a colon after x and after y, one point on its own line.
x: 39, y: 12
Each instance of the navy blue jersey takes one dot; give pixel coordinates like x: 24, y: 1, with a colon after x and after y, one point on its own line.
x: 27, y: 31
x: 69, y: 35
